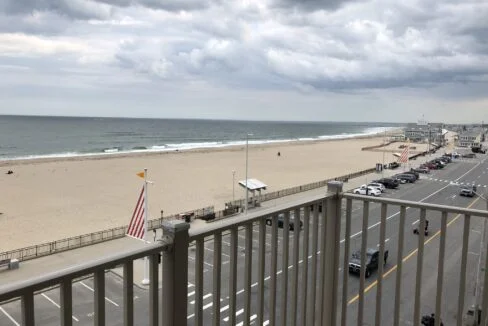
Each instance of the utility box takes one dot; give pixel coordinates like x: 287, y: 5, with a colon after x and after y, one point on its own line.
x: 14, y: 264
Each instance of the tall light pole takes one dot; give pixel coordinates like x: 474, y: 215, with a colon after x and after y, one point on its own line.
x: 247, y: 154
x: 233, y: 186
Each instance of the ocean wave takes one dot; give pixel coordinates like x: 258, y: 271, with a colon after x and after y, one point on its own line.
x: 117, y: 150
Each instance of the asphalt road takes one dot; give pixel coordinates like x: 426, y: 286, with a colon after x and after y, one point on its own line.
x: 433, y: 188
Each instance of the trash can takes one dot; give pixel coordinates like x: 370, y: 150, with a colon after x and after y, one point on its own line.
x: 379, y: 167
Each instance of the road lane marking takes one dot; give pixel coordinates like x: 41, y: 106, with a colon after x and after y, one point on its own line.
x: 89, y: 288
x: 57, y: 305
x: 410, y: 255
x: 9, y: 317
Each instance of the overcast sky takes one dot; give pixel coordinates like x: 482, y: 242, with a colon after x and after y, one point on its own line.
x: 379, y: 60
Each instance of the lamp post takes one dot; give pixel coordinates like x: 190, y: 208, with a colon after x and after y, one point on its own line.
x: 233, y: 186
x: 247, y: 154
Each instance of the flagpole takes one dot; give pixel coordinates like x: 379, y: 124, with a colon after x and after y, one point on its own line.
x: 145, y: 281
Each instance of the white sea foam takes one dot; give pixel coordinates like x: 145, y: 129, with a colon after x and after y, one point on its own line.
x: 201, y: 145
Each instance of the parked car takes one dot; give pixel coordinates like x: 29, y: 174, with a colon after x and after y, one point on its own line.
x: 405, y: 178
x: 430, y: 166
x: 420, y: 169
x: 370, y: 191
x: 281, y: 222
x: 469, y: 155
x: 415, y: 174
x: 389, y: 183
x: 446, y: 158
x: 380, y: 186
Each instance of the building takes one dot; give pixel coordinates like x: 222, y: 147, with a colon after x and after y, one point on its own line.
x: 471, y: 138
x: 423, y: 133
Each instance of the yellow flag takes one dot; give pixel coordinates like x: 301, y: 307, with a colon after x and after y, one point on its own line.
x: 141, y: 174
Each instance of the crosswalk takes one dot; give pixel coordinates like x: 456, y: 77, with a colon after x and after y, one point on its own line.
x: 456, y: 183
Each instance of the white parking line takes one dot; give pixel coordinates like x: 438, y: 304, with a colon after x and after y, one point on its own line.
x: 57, y: 305
x: 9, y: 317
x: 226, y: 319
x: 193, y: 258
x: 250, y: 319
x: 223, y: 254
x: 89, y: 288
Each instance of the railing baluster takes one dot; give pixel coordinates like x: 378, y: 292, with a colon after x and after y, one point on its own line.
x: 398, y: 281
x: 304, y: 280
x: 362, y: 272
x: 273, y: 271
x: 27, y: 303
x: 381, y: 263
x: 261, y: 268
x: 128, y: 293
x: 99, y: 303
x: 420, y: 263
x: 248, y: 275
x: 66, y: 302
x: 464, y: 261
x: 233, y: 276
x: 284, y: 268
x: 331, y: 255
x: 153, y: 290
x: 484, y: 304
x: 199, y: 282
x: 321, y: 277
x: 345, y: 266
x: 174, y: 303
x: 440, y: 269
x: 296, y: 256
x: 313, y: 267
x: 217, y: 277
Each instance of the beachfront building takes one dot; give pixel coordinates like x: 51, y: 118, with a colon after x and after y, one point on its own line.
x: 419, y: 133
x: 471, y: 138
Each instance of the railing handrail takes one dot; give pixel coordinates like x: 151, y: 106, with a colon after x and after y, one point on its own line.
x: 240, y: 220
x: 47, y: 280
x: 415, y: 204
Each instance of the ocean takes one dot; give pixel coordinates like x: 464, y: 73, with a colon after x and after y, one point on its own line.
x: 32, y: 137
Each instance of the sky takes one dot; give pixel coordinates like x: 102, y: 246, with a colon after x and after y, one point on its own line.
x: 311, y: 60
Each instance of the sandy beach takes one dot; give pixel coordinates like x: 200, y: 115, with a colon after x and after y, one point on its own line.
x: 46, y: 200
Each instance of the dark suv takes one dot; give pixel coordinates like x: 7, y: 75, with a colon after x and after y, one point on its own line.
x: 281, y: 222
x: 388, y: 183
x: 372, y: 261
x: 405, y: 177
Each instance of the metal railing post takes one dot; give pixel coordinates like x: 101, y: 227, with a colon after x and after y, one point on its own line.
x: 175, y: 274
x: 332, y: 250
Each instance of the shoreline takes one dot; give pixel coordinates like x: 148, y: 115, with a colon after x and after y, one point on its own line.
x: 234, y: 147
x: 55, y: 199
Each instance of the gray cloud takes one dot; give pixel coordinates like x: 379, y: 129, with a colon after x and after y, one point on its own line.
x: 308, y: 47
x: 77, y: 9
x: 310, y: 5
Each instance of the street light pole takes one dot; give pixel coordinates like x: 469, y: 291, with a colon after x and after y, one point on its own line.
x: 247, y: 154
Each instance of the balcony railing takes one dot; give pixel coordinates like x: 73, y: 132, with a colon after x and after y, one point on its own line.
x: 286, y: 265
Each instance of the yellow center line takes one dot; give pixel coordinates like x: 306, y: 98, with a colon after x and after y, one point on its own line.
x: 406, y: 258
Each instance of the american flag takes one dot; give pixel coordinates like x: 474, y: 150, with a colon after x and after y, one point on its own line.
x: 136, y: 226
x: 404, y: 156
